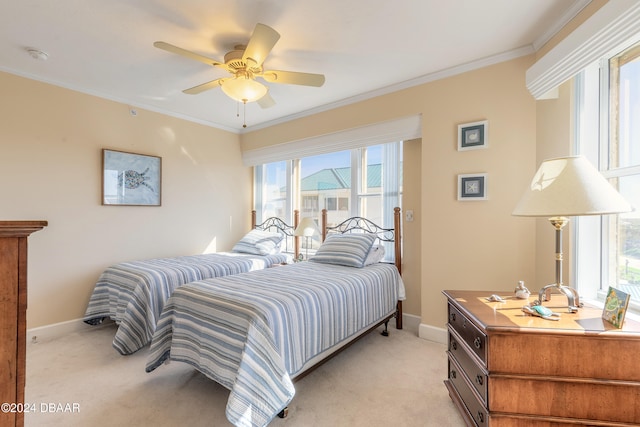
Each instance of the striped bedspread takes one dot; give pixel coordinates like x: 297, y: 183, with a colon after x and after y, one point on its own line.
x: 254, y: 332
x: 133, y: 293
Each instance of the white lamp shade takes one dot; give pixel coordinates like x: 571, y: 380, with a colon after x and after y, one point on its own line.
x: 243, y: 89
x: 570, y: 186
x: 306, y: 228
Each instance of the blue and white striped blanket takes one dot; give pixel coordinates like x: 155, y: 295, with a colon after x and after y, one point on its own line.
x: 133, y: 293
x: 254, y: 332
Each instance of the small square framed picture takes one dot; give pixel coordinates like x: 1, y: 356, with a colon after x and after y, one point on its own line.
x: 472, y: 136
x: 472, y: 186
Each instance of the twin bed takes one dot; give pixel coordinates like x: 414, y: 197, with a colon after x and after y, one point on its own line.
x: 134, y: 293
x: 252, y: 328
x: 256, y: 333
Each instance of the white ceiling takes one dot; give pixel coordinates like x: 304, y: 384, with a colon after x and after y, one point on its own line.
x: 363, y: 47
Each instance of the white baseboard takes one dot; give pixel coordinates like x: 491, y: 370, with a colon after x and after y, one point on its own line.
x: 57, y: 330
x: 432, y: 333
x: 410, y: 322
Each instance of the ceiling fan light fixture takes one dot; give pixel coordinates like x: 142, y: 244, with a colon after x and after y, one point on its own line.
x: 243, y: 89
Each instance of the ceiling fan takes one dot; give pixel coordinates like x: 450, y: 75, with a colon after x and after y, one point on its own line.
x: 245, y: 64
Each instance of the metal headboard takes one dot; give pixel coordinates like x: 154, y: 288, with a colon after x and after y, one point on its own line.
x: 276, y: 224
x: 360, y: 224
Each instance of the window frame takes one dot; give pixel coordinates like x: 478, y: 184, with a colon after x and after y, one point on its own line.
x: 592, y: 241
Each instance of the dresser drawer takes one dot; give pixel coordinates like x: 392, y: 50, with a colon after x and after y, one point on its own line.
x: 475, y: 409
x: 475, y: 339
x: 475, y: 374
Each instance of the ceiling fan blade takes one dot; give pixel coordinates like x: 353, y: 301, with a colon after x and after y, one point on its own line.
x: 262, y: 41
x: 293, y: 78
x: 204, y: 86
x: 266, y: 101
x: 192, y: 55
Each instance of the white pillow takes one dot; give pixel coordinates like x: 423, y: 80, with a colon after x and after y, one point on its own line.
x: 376, y: 254
x: 259, y: 242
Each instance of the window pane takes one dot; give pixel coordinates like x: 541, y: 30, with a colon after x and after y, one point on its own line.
x: 625, y: 232
x: 625, y: 114
x: 371, y: 190
x: 324, y: 180
x: 275, y: 190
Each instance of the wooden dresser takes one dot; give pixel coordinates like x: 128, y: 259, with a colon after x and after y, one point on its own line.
x: 13, y: 321
x: 507, y: 368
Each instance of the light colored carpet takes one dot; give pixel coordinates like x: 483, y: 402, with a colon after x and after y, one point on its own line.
x: 378, y: 381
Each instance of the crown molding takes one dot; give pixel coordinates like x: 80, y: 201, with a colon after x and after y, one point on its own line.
x: 573, y: 11
x: 427, y: 78
x: 615, y: 24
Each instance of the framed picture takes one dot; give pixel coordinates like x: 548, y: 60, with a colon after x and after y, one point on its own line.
x: 472, y: 186
x: 615, y: 306
x: 130, y: 179
x: 472, y: 136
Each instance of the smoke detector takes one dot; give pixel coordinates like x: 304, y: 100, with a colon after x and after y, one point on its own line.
x: 37, y: 54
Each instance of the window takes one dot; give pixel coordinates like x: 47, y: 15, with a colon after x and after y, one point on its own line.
x: 359, y: 182
x: 337, y: 203
x: 608, y: 131
x: 273, y: 179
x: 624, y: 168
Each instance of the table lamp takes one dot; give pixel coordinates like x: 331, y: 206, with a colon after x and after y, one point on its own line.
x: 563, y: 187
x: 307, y: 228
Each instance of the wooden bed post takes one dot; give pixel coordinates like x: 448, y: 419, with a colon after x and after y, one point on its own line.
x: 296, y: 239
x: 253, y: 219
x: 324, y: 224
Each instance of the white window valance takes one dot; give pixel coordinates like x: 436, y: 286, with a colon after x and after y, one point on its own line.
x: 401, y: 129
x: 614, y: 24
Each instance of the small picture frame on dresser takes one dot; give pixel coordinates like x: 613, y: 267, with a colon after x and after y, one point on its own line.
x: 615, y: 306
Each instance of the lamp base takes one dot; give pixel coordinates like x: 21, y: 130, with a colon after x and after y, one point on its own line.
x: 571, y: 294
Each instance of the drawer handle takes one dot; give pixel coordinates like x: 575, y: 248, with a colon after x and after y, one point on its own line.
x: 479, y: 379
x: 454, y: 345
x: 453, y: 317
x: 480, y: 417
x: 452, y: 374
x: 477, y: 342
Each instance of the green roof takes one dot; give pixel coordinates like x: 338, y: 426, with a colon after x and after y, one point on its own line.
x: 340, y: 178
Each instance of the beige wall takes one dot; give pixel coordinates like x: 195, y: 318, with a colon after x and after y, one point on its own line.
x: 50, y: 168
x: 462, y: 245
x: 412, y: 249
x: 477, y: 245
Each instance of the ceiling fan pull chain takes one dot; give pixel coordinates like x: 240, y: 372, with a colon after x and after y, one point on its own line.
x: 244, y: 114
